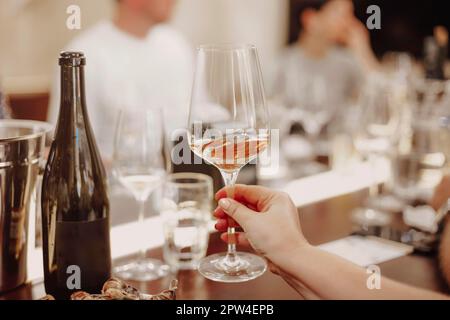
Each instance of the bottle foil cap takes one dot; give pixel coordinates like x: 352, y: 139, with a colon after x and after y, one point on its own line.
x: 72, y: 58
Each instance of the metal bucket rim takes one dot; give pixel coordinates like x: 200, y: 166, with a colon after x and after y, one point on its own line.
x: 43, y: 127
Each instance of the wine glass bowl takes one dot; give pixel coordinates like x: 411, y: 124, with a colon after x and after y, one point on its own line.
x: 228, y: 128
x: 379, y: 117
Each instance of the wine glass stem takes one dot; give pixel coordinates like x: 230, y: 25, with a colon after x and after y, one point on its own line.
x: 231, y: 258
x: 141, y: 219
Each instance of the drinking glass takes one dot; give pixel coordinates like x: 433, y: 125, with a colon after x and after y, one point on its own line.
x: 186, y: 213
x: 420, y: 160
x: 228, y: 128
x: 138, y: 164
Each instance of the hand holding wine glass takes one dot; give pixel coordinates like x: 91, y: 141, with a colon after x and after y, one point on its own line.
x: 229, y: 127
x: 269, y: 219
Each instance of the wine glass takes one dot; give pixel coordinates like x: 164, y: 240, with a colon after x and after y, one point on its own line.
x: 138, y: 165
x: 377, y: 131
x: 228, y: 128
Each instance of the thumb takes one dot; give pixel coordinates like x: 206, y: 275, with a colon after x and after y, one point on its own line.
x: 236, y: 210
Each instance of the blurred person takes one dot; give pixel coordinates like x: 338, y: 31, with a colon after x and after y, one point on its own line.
x: 272, y: 228
x: 332, y: 45
x: 134, y: 61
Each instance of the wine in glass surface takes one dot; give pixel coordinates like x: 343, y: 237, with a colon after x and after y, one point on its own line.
x: 229, y: 127
x: 138, y: 164
x: 232, y: 151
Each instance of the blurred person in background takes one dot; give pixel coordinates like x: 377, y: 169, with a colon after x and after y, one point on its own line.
x: 134, y: 61
x: 271, y: 226
x: 332, y: 45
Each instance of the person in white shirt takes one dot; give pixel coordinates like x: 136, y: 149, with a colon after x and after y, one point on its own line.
x: 133, y: 61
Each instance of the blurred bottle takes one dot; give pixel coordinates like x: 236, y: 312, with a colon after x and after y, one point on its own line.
x: 435, y: 53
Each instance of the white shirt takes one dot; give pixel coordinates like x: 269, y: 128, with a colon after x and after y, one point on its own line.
x: 126, y: 72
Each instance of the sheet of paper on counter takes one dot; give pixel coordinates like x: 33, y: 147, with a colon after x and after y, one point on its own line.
x: 366, y: 251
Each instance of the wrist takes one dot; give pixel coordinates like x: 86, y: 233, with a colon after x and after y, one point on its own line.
x: 292, y: 251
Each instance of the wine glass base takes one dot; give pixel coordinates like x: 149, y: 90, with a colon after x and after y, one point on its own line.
x: 248, y: 267
x: 142, y: 270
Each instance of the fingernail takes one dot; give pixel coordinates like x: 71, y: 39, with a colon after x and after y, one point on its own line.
x: 224, y: 203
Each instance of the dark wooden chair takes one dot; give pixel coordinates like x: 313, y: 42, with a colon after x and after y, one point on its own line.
x: 29, y: 106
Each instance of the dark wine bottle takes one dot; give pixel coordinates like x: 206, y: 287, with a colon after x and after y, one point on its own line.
x: 75, y: 205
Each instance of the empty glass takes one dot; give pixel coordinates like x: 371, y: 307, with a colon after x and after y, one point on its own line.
x: 186, y: 213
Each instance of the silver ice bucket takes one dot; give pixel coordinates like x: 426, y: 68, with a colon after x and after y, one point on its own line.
x: 22, y: 144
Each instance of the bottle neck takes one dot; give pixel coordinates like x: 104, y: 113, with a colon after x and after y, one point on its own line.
x: 72, y: 105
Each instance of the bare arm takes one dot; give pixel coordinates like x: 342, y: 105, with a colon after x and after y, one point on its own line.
x: 271, y: 225
x: 331, y: 277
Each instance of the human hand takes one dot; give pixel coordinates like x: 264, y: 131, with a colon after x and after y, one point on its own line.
x: 357, y: 39
x: 269, y: 219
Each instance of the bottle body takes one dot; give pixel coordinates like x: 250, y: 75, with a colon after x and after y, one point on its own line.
x: 75, y: 205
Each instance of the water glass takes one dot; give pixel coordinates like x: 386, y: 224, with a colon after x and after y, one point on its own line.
x: 186, y: 213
